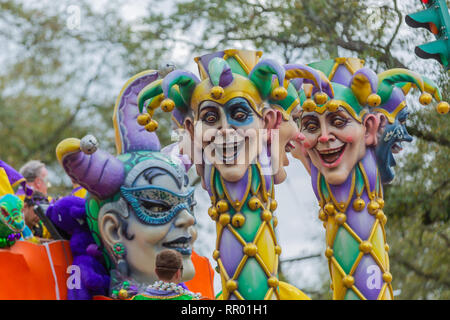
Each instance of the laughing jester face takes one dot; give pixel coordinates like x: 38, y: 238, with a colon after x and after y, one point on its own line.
x: 338, y: 132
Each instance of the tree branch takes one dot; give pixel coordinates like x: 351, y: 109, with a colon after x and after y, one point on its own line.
x: 428, y: 137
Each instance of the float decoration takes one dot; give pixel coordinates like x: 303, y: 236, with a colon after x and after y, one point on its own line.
x: 242, y: 198
x: 126, y: 189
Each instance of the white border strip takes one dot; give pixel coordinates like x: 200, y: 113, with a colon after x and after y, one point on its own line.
x: 49, y: 255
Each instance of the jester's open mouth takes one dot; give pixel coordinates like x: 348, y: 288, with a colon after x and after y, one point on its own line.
x: 331, y: 157
x: 182, y: 244
x: 229, y: 152
x: 397, y: 147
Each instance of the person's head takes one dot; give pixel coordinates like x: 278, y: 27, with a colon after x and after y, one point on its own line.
x: 169, y: 266
x: 36, y: 175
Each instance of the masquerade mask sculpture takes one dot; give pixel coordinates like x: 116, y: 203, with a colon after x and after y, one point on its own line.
x: 228, y: 113
x: 139, y: 201
x: 339, y: 140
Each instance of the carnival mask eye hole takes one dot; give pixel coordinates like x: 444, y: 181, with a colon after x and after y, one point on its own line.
x: 154, y: 206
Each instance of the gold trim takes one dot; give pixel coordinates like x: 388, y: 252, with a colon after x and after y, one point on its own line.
x: 391, y: 115
x: 247, y: 191
x: 356, y: 264
x: 352, y: 233
x: 350, y: 196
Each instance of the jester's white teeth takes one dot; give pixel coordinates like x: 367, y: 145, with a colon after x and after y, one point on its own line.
x: 228, y: 152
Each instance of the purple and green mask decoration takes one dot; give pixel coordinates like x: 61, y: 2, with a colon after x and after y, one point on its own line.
x: 124, y: 184
x: 12, y: 223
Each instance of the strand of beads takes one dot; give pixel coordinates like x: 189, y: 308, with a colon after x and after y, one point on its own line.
x: 170, y: 286
x: 9, y: 240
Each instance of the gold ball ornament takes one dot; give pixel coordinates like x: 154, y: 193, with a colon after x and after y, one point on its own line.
x: 425, y: 98
x: 387, y: 277
x: 443, y: 107
x: 222, y: 206
x: 216, y: 255
x: 273, y: 282
x: 224, y: 219
x: 381, y: 202
x: 254, y: 203
x: 217, y: 92
x: 333, y: 106
x: 320, y: 98
x: 143, y: 119
x: 309, y: 105
x: 365, y: 246
x: 266, y: 215
x: 341, y: 218
x: 329, y: 209
x: 348, y: 281
x: 273, y: 205
x: 373, y: 100
x: 275, y: 221
x: 322, y: 215
x: 373, y: 207
x: 151, y: 126
x: 386, y: 247
x: 167, y: 105
x: 212, y: 212
x: 279, y: 93
x: 278, y: 250
x: 329, y: 252
x: 250, y: 249
x: 380, y: 215
x: 231, y: 285
x: 238, y: 220
x: 359, y: 204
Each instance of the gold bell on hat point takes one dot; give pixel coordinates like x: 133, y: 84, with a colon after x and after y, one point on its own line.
x: 320, y: 98
x: 309, y: 105
x: 167, y: 105
x: 359, y: 204
x: 333, y: 106
x: 279, y: 93
x: 425, y: 98
x: 143, y: 119
x: 373, y: 100
x: 443, y: 107
x: 217, y: 92
x: 151, y: 126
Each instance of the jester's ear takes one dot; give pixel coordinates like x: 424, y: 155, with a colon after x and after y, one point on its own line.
x: 364, y: 84
x: 371, y: 123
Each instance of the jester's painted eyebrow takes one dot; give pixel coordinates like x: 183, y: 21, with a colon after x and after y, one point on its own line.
x: 242, y: 102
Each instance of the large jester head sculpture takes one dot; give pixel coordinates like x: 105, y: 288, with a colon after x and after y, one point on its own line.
x: 393, y: 87
x: 139, y: 201
x: 338, y: 131
x: 238, y: 109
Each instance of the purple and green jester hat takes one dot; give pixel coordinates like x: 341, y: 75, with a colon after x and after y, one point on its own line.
x: 122, y: 183
x: 394, y: 85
